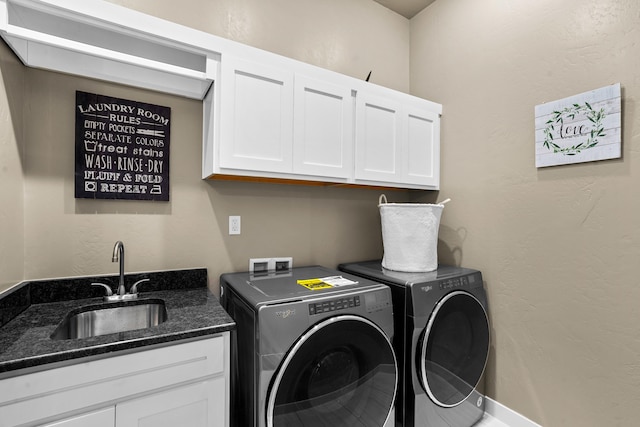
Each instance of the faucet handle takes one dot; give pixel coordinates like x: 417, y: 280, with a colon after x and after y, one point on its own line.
x: 106, y: 287
x: 134, y: 288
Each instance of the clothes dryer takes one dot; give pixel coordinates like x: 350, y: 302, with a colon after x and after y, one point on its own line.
x: 441, y: 339
x: 308, y: 352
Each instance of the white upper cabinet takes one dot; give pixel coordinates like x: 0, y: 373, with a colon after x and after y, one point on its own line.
x: 421, y: 158
x: 397, y: 140
x: 256, y: 117
x: 278, y: 118
x: 281, y: 119
x: 323, y: 128
x: 264, y: 115
x: 379, y: 137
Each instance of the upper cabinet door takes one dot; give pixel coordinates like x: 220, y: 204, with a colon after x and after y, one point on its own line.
x: 397, y: 140
x: 256, y: 131
x: 422, y: 159
x: 379, y: 134
x: 323, y: 128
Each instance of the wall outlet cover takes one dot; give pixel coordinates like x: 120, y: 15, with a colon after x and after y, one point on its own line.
x: 234, y: 224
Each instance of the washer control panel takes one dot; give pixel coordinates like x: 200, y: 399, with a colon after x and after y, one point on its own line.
x: 334, y: 305
x: 455, y: 282
x: 468, y: 281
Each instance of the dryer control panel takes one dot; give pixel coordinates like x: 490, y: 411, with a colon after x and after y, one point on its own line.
x: 334, y: 304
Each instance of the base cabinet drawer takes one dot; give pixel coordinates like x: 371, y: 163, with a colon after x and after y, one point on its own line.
x: 194, y: 405
x: 102, y: 418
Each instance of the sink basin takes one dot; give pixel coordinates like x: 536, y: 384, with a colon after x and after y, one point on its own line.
x: 90, y: 321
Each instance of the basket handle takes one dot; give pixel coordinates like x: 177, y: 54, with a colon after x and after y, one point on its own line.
x: 381, y: 198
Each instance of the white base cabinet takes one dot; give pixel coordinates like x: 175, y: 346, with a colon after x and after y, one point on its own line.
x: 180, y: 384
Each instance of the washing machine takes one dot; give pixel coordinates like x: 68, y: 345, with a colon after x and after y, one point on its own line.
x: 312, y: 347
x: 441, y: 340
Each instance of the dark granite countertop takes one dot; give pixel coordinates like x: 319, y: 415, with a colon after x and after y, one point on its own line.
x: 27, y: 319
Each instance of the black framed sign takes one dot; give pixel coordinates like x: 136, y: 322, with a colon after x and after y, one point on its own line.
x: 122, y: 149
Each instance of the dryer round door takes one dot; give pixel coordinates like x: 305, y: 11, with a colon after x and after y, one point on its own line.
x: 341, y: 372
x: 454, y: 348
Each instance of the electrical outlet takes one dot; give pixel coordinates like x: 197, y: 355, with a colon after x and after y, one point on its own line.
x: 282, y: 264
x: 259, y: 265
x: 234, y: 224
x: 270, y: 264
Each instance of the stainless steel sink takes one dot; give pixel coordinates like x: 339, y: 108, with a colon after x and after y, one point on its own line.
x: 103, y: 319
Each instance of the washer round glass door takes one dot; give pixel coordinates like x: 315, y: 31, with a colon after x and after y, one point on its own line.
x: 454, y: 349
x: 341, y: 372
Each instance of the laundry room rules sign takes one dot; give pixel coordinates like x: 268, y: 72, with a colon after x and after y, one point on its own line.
x: 122, y: 149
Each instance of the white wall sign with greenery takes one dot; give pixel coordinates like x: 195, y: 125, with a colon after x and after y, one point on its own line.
x: 581, y: 128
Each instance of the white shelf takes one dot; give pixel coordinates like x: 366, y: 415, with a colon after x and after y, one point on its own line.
x: 108, y: 42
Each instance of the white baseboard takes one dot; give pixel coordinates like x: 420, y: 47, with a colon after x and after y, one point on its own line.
x: 507, y: 416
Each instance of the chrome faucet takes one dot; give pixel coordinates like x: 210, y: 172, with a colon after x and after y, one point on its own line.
x: 118, y: 255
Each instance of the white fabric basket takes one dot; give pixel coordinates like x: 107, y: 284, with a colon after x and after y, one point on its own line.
x: 410, y: 235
